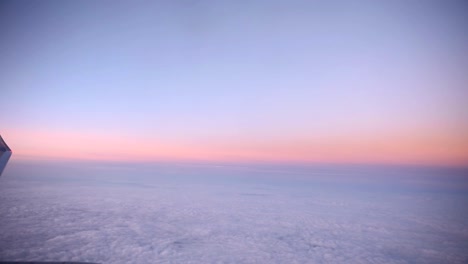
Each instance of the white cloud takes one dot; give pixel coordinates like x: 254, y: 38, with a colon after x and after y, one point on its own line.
x: 189, y: 222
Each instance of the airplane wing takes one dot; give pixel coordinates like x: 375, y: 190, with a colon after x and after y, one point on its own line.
x: 5, y: 154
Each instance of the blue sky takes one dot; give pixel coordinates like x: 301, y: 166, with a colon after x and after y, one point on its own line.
x: 268, y: 74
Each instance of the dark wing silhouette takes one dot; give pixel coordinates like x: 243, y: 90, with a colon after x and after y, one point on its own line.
x: 5, y: 154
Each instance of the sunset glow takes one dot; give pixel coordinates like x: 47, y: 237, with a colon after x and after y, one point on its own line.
x: 391, y: 149
x: 237, y: 85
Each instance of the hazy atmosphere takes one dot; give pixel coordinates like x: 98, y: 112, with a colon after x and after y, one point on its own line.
x: 234, y: 131
x: 308, y: 81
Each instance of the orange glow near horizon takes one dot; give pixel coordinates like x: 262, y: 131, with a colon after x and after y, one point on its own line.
x: 435, y: 149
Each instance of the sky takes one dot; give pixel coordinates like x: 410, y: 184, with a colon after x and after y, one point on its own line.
x: 236, y: 81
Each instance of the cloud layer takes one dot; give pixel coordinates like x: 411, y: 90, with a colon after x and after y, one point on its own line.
x: 185, y: 221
